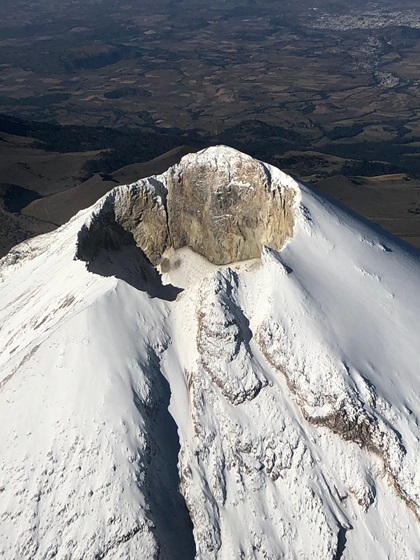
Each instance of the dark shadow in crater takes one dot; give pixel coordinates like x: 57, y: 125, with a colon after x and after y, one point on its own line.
x: 109, y: 250
x: 131, y: 265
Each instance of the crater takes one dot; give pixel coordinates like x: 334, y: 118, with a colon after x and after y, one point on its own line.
x: 221, y: 203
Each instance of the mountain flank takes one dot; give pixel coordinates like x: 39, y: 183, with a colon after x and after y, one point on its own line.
x: 154, y: 404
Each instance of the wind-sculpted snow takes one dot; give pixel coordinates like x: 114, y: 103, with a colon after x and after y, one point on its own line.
x: 253, y: 459
x: 334, y: 385
x: 223, y: 341
x: 336, y: 404
x: 262, y: 410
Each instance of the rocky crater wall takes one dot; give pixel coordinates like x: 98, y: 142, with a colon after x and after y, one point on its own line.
x: 219, y: 202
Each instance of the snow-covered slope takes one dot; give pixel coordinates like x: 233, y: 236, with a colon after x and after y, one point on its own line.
x: 265, y: 409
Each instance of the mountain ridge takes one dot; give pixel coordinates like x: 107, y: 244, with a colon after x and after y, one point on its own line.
x: 266, y: 408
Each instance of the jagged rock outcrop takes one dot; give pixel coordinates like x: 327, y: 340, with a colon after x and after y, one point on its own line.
x: 220, y: 202
x: 133, y: 214
x: 223, y: 341
x: 224, y: 206
x: 141, y: 211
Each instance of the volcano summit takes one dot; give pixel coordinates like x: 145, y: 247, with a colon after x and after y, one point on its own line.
x: 221, y: 203
x: 213, y: 363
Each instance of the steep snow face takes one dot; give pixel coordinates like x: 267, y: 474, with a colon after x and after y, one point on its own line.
x: 89, y: 449
x: 265, y: 409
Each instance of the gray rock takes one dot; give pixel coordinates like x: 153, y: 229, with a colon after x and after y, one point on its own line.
x: 220, y: 202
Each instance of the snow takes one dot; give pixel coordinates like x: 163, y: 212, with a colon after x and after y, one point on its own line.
x: 270, y: 410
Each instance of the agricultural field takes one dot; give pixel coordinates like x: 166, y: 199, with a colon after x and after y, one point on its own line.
x: 321, y: 89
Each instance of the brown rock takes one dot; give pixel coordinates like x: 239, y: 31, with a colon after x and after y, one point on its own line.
x: 222, y: 205
x: 219, y: 202
x: 140, y: 210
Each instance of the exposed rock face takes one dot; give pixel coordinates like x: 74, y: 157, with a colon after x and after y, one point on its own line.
x: 141, y: 210
x: 220, y: 202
